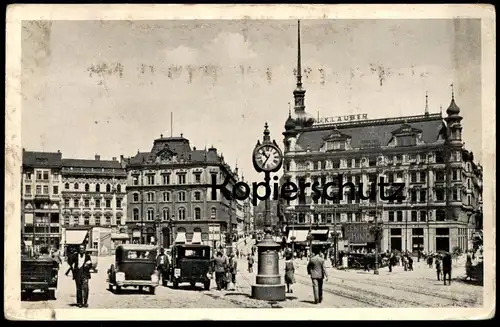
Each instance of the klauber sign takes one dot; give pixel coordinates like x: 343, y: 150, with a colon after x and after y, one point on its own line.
x: 341, y: 119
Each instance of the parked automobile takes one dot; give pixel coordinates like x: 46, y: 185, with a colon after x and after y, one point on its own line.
x: 190, y: 264
x: 39, y: 273
x: 135, y: 266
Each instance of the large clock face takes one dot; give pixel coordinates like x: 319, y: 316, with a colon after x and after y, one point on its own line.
x: 268, y: 158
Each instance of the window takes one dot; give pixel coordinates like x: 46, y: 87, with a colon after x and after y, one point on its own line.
x: 166, y: 196
x: 413, y: 177
x: 439, y: 157
x: 75, y: 202
x: 440, y: 215
x: 150, y: 214
x: 182, y: 196
x: 166, y: 179
x: 28, y: 176
x: 439, y: 176
x: 422, y: 177
x: 349, y: 163
x: 213, y: 213
x: 391, y: 215
x: 98, y: 187
x: 27, y: 190
x: 414, y: 215
x: 135, y: 214
x: 118, y: 203
x: 66, y: 203
x: 46, y: 175
x: 182, y: 214
x: 399, y: 216
x: 468, y: 183
x: 135, y: 180
x: 151, y: 180
x: 413, y: 196
x: 181, y: 179
x: 86, y: 221
x: 108, y: 188
x: 86, y: 203
x: 372, y: 162
x: 456, y: 175
x: 197, y: 213
x: 423, y: 215
x: 166, y: 214
x: 197, y: 196
x: 97, y: 221
x: 151, y: 197
x: 87, y: 187
x: 456, y: 194
x: 66, y: 186
x: 136, y: 197
x: 399, y: 159
x: 97, y: 203
x: 442, y: 231
x: 439, y: 194
x: 357, y: 163
x: 39, y: 175
x: 396, y: 231
x: 357, y: 217
x: 423, y: 196
x: 75, y: 186
x: 108, y: 203
x: 469, y: 202
x: 118, y: 188
x: 349, y: 217
x: 197, y: 177
x: 45, y: 189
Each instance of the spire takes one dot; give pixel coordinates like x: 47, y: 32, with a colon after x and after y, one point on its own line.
x: 452, y: 92
x: 426, y: 103
x: 266, y: 132
x: 453, y: 109
x: 299, y: 59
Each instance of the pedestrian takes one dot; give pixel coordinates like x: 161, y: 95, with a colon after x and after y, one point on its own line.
x: 438, y: 268
x: 404, y: 262
x: 366, y: 262
x: 220, y: 268
x: 233, y: 268
x: 162, y: 266
x: 81, y: 274
x: 468, y: 268
x: 410, y: 263
x: 316, y: 269
x: 250, y: 260
x: 447, y: 268
x: 392, y: 261
x: 289, y: 272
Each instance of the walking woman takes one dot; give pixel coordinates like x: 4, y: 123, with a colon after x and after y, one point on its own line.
x: 289, y: 272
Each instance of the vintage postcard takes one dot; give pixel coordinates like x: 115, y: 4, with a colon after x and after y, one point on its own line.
x: 171, y: 161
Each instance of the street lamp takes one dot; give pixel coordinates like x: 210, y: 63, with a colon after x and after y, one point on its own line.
x: 376, y: 231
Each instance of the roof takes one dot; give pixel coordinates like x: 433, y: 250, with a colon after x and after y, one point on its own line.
x: 377, y: 131
x: 138, y: 247
x: 89, y: 163
x: 42, y: 159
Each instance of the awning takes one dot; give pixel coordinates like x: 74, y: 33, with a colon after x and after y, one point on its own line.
x: 181, y: 238
x: 75, y: 236
x: 119, y: 236
x: 196, y: 238
x: 320, y: 231
x: 300, y: 235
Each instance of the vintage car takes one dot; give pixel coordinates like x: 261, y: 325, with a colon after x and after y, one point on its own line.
x: 39, y: 273
x: 135, y: 265
x: 190, y: 264
x: 94, y: 257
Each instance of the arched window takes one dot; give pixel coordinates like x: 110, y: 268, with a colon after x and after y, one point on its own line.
x: 151, y: 214
x: 75, y: 202
x: 66, y: 186
x: 136, y: 214
x: 108, y: 188
x: 87, y: 187
x: 75, y: 186
x: 136, y: 197
x: 166, y: 213
x: 118, y: 188
x: 182, y: 214
x: 98, y: 187
x: 213, y: 213
x: 440, y: 215
x: 197, y: 213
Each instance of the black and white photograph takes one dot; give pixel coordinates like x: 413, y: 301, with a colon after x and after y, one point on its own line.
x: 199, y: 157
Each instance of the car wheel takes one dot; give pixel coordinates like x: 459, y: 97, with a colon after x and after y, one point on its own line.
x: 176, y: 284
x: 51, y: 294
x: 110, y: 287
x: 152, y: 290
x: 206, y: 285
x: 140, y: 288
x: 118, y: 289
x: 193, y: 284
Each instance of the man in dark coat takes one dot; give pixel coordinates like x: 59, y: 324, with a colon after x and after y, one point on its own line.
x: 316, y: 269
x: 162, y: 265
x: 447, y: 268
x: 80, y: 268
x: 220, y: 268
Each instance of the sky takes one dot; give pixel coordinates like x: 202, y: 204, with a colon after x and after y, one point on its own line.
x: 110, y: 87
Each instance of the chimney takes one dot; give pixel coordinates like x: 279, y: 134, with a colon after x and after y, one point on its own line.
x: 194, y: 148
x: 97, y: 157
x: 114, y: 158
x: 58, y: 151
x: 121, y: 158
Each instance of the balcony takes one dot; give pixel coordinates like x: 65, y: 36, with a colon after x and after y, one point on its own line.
x: 42, y: 196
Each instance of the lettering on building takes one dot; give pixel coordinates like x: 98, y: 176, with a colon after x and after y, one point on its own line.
x: 341, y: 119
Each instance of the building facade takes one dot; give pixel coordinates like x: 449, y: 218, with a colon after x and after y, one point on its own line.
x: 41, y: 189
x: 425, y: 152
x: 170, y: 195
x: 94, y: 198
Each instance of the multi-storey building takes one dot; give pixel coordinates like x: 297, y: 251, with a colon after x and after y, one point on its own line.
x: 41, y: 187
x: 170, y: 195
x: 94, y: 198
x: 425, y: 152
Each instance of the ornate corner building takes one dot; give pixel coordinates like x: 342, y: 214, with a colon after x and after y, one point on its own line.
x: 442, y: 183
x: 170, y: 195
